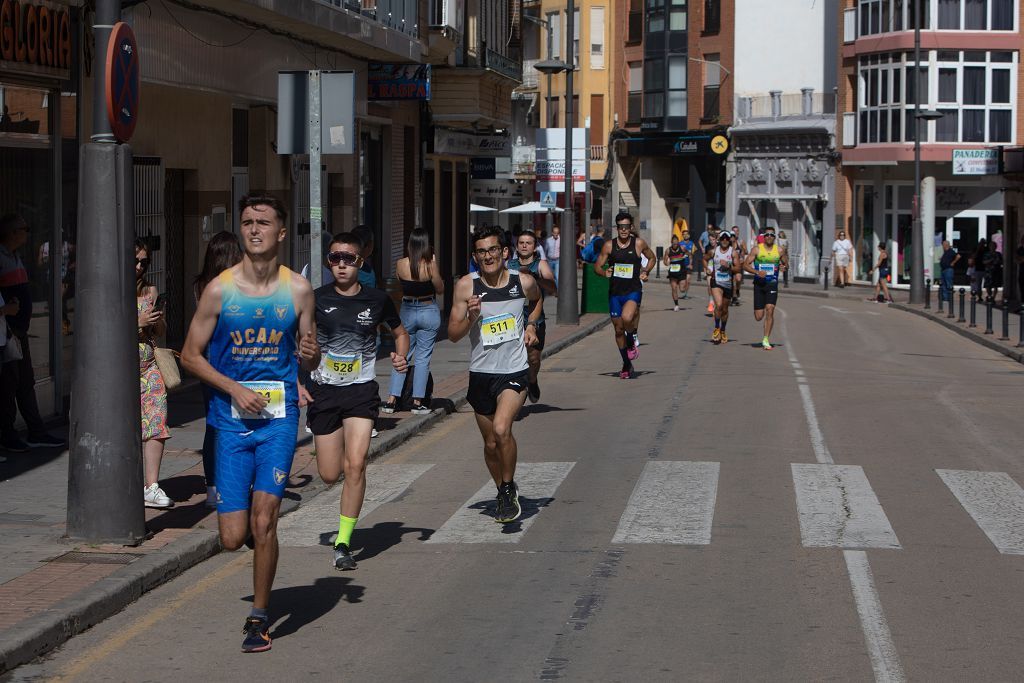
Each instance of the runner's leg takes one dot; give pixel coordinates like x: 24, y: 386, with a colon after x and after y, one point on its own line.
x: 263, y: 521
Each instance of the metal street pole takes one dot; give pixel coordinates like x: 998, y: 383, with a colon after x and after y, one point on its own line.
x: 547, y: 108
x: 316, y: 268
x: 105, y: 479
x: 568, y: 290
x: 916, y: 237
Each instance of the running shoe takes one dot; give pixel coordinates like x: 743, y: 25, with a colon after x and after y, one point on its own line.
x: 627, y: 372
x: 716, y: 336
x: 257, y: 635
x: 14, y: 445
x: 508, y: 494
x: 44, y: 440
x: 533, y: 392
x: 154, y: 497
x: 343, y: 560
x: 676, y: 307
x: 766, y: 345
x: 711, y: 307
x: 374, y: 433
x: 388, y: 407
x: 500, y: 507
x: 724, y: 338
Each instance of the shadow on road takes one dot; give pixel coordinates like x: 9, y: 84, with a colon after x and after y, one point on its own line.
x: 540, y: 408
x: 529, y: 506
x: 300, y: 606
x: 382, y: 537
x: 639, y: 373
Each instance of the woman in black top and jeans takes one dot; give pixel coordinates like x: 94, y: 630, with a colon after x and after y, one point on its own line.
x: 421, y: 284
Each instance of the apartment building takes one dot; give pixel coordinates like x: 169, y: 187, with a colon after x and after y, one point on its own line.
x: 969, y: 75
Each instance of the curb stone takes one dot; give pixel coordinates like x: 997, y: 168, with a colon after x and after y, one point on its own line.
x: 963, y: 332
x: 43, y: 632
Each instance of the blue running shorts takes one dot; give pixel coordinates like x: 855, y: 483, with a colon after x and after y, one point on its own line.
x: 616, y: 303
x: 257, y: 460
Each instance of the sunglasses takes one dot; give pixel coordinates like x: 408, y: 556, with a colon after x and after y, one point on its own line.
x: 769, y: 234
x: 345, y: 258
x: 144, y: 262
x: 623, y: 226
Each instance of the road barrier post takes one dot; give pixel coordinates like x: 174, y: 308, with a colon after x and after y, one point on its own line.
x: 974, y: 312
x: 928, y: 295
x: 1020, y: 329
x: 963, y: 295
x: 826, y: 278
x: 1006, y: 322
x: 988, y: 317
x: 951, y: 314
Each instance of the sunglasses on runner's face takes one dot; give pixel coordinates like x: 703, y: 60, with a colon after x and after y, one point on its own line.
x: 345, y: 258
x: 769, y: 234
x: 624, y: 226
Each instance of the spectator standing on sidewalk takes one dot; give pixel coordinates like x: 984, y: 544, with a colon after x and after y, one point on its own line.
x: 151, y: 383
x: 949, y: 259
x: 992, y: 262
x: 367, y: 276
x: 222, y: 252
x: 17, y: 379
x: 842, y: 253
x: 884, y: 270
x: 783, y: 243
x: 421, y: 283
x: 553, y: 245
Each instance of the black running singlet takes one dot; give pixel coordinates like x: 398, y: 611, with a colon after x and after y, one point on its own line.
x: 625, y: 265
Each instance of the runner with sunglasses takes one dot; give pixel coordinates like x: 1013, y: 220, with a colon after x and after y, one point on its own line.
x: 491, y: 307
x: 765, y: 262
x: 722, y: 264
x: 344, y: 398
x: 620, y: 261
x: 251, y: 322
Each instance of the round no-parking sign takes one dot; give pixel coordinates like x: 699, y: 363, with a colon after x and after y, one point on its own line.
x: 122, y: 80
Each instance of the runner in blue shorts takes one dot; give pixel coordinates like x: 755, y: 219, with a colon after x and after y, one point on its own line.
x: 620, y: 261
x: 252, y: 321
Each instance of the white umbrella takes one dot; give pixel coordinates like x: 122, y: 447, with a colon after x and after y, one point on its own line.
x: 531, y: 207
x: 477, y: 208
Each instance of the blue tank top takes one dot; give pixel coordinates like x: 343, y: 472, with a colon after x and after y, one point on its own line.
x: 254, y: 341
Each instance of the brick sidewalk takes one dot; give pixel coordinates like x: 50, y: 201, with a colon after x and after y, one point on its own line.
x: 49, y: 584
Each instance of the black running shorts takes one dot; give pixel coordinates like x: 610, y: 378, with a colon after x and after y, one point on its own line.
x: 332, y: 404
x: 484, y: 389
x: 765, y: 292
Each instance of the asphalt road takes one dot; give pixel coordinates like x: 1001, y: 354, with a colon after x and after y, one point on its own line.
x: 845, y: 507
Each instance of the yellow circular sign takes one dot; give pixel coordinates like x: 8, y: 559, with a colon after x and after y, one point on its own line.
x: 719, y: 144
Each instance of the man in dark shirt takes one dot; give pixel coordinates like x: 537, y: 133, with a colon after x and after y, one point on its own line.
x: 17, y: 381
x: 949, y: 259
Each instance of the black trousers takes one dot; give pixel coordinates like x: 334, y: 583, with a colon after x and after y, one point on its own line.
x: 18, y: 392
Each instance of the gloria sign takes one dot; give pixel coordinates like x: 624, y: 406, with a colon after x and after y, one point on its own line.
x: 975, y: 161
x: 398, y: 81
x: 35, y: 37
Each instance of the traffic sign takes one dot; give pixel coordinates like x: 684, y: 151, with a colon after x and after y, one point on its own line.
x: 547, y: 200
x: 122, y: 81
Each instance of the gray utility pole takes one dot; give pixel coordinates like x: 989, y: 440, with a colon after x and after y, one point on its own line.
x: 316, y: 211
x: 105, y: 472
x: 916, y: 236
x: 568, y: 290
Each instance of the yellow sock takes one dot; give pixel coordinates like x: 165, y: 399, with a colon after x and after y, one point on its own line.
x: 345, y: 527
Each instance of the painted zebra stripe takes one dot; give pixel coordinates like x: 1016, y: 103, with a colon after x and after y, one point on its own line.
x: 838, y: 509
x: 474, y: 522
x: 673, y: 502
x: 316, y: 522
x: 995, y: 502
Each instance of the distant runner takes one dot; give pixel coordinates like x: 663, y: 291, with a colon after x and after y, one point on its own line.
x: 527, y: 260
x: 765, y: 262
x: 678, y: 261
x: 724, y: 261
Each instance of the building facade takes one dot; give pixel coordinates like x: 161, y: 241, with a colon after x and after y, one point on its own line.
x: 970, y: 85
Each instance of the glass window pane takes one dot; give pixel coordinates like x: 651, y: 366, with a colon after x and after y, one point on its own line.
x: 1002, y: 15
x: 897, y: 86
x: 883, y: 126
x: 975, y: 56
x: 873, y: 88
x: 654, y: 74
x: 949, y: 14
x: 654, y: 105
x: 655, y: 22
x: 677, y: 73
x: 999, y: 126
x: 897, y: 120
x: 947, y: 127
x: 948, y: 55
x: 884, y: 85
x: 1001, y: 56
x: 863, y: 127
x: 911, y: 131
x: 712, y: 70
x: 679, y: 3
x: 974, y: 125
x: 636, y: 77
x: 975, y: 15
x: 974, y: 85
x: 677, y: 20
x: 1001, y: 86
x: 897, y: 15
x: 677, y: 103
x: 947, y: 85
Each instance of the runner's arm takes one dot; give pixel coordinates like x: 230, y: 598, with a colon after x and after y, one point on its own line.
x: 602, y: 259
x: 748, y: 265
x: 309, y: 350
x: 400, y: 356
x: 460, y: 319
x: 531, y: 289
x: 546, y: 281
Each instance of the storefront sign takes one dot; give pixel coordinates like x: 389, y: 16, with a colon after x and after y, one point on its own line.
x: 398, y: 81
x: 549, y: 170
x: 483, y: 168
x: 975, y: 161
x: 35, y: 37
x: 467, y: 144
x: 500, y: 189
x: 693, y: 144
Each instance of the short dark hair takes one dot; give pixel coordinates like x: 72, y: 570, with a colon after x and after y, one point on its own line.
x: 623, y: 215
x: 8, y: 223
x: 276, y: 204
x: 350, y: 238
x: 528, y: 233
x: 485, y: 231
x: 364, y: 233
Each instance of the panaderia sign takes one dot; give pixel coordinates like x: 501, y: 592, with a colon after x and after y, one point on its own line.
x: 35, y: 38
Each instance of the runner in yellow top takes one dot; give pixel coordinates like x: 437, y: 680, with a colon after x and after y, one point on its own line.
x: 765, y: 263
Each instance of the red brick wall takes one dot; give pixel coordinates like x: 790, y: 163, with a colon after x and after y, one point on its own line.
x: 700, y: 44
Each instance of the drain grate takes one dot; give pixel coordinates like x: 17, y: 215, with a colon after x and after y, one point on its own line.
x: 79, y: 557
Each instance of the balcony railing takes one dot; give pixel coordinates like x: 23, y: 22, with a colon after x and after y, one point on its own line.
x: 499, y: 63
x: 400, y: 15
x: 781, y: 105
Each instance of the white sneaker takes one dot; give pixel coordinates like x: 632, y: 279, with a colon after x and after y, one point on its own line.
x: 676, y: 307
x: 211, y: 496
x: 374, y: 433
x: 155, y: 497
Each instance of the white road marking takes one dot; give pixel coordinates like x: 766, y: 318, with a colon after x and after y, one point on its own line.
x: 673, y: 502
x: 821, y: 451
x: 474, y: 523
x: 838, y: 509
x: 834, y: 309
x: 885, y: 660
x: 995, y: 501
x: 317, y: 518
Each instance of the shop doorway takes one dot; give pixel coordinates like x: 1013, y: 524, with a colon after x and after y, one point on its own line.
x: 964, y: 232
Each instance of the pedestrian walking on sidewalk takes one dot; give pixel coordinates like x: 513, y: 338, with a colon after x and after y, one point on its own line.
x: 553, y: 247
x: 976, y: 268
x: 253, y: 320
x: 17, y: 379
x: 947, y: 262
x: 882, y: 294
x: 842, y: 255
x: 152, y: 325
x: 992, y: 262
x: 222, y: 252
x: 421, y: 282
x: 783, y: 243
x: 367, y: 275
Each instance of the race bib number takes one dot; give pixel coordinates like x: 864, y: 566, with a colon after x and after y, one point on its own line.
x: 766, y: 269
x: 344, y: 369
x: 723, y: 276
x: 273, y: 392
x: 499, y: 329
x: 674, y: 267
x: 623, y: 270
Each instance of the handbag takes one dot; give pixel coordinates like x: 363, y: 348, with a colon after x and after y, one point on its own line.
x: 12, y: 351
x: 165, y: 361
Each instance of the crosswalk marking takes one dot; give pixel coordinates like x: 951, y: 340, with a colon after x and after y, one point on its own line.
x: 673, y: 502
x: 474, y: 522
x: 316, y: 521
x: 995, y: 501
x: 838, y: 509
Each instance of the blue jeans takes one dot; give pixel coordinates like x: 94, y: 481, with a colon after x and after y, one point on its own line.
x: 421, y: 319
x: 946, y: 285
x: 554, y: 268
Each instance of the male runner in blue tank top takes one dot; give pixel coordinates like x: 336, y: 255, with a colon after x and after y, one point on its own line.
x: 253, y: 320
x: 526, y: 259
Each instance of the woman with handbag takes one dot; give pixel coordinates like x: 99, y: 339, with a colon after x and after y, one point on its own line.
x: 151, y: 382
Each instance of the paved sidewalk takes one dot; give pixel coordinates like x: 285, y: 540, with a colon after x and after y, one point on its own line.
x: 51, y: 588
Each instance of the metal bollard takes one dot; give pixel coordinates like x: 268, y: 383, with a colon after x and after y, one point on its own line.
x: 826, y: 278
x: 1020, y: 329
x: 963, y: 295
x: 927, y: 295
x: 988, y: 317
x: 951, y: 315
x: 974, y: 306
x: 1006, y: 322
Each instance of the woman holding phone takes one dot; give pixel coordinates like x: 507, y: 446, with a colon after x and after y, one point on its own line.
x: 151, y: 383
